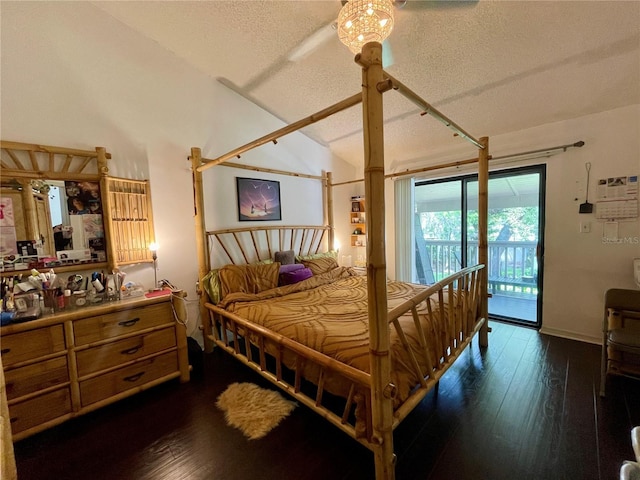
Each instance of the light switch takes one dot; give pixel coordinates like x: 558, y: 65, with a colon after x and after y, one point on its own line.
x: 585, y: 227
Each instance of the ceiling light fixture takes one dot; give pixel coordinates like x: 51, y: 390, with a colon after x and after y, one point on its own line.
x: 363, y: 21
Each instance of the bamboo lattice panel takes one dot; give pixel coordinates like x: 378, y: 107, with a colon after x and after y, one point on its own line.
x: 131, y: 219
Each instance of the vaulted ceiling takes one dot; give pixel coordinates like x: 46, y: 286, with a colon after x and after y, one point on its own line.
x: 493, y: 67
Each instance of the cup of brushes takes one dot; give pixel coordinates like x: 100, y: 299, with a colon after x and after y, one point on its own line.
x: 51, y: 289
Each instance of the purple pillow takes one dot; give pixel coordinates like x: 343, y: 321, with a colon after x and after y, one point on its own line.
x: 292, y: 267
x: 289, y: 278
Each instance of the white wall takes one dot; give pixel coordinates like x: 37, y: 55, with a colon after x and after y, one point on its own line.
x: 578, y: 267
x: 73, y: 76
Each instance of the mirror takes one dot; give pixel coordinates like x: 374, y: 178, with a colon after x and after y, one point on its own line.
x: 58, y: 220
x: 76, y: 217
x: 51, y: 207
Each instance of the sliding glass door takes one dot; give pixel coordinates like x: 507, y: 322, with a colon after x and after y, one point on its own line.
x: 446, y: 233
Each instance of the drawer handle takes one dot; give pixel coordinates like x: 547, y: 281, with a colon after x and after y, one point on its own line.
x: 5, y: 351
x: 133, y: 378
x: 129, y: 323
x: 131, y: 351
x: 13, y: 419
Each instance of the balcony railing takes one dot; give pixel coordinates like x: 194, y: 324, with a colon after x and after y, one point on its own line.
x: 512, y: 268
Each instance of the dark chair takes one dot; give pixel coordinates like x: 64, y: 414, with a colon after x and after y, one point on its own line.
x: 621, y: 335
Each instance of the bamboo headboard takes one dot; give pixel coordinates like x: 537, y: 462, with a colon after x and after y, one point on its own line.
x: 254, y: 244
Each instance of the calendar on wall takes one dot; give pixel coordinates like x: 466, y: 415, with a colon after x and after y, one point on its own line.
x: 617, y: 198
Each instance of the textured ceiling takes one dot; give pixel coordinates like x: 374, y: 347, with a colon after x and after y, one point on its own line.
x: 491, y: 66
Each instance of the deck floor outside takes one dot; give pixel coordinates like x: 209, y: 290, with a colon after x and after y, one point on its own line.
x: 520, y: 308
x: 525, y: 408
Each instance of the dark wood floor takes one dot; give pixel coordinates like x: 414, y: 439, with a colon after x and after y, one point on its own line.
x: 526, y: 408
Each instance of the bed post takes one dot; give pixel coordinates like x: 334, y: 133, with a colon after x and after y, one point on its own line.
x: 483, y: 249
x: 328, y: 217
x: 201, y: 244
x: 381, y: 389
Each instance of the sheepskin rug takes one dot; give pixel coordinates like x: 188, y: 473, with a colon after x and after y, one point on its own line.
x: 253, y: 410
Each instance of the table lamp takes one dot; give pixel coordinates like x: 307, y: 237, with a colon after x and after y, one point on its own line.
x: 153, y: 247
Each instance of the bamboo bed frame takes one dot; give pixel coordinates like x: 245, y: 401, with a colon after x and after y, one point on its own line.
x: 466, y: 309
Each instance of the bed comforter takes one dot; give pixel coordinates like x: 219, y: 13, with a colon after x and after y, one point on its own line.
x: 328, y: 313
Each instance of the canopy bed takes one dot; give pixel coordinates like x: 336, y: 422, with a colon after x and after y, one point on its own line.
x: 362, y: 351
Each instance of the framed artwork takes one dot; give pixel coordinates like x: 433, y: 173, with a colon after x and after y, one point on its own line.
x: 258, y: 200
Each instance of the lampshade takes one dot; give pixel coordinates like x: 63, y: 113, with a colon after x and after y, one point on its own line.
x: 363, y: 21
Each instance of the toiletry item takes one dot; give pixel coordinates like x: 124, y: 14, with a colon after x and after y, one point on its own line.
x: 97, y: 284
x: 60, y: 299
x: 67, y: 299
x: 79, y: 298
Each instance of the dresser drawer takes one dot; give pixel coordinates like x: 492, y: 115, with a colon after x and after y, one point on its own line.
x: 121, y: 351
x: 38, y: 376
x: 112, y: 383
x: 112, y: 325
x: 32, y: 344
x: 38, y: 410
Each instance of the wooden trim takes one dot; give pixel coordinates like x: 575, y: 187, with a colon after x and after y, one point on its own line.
x: 266, y: 170
x: 49, y: 175
x: 103, y: 170
x: 48, y: 149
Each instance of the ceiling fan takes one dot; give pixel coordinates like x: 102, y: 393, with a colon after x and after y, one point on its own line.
x: 328, y: 31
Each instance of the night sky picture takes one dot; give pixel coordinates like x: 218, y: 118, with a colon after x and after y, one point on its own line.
x: 258, y: 199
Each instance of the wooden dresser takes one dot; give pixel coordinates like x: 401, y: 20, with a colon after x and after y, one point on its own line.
x: 67, y: 364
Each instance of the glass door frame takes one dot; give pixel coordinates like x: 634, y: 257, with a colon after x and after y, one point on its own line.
x: 465, y: 180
